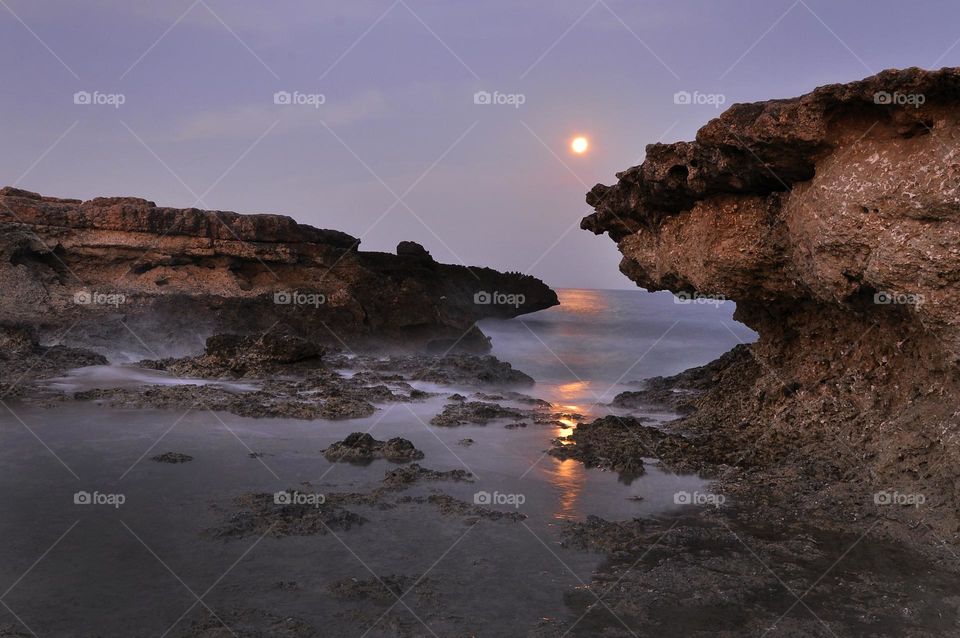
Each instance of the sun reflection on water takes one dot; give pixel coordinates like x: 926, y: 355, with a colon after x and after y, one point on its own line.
x: 568, y: 476
x: 570, y: 392
x: 568, y: 400
x: 565, y: 428
x: 577, y: 301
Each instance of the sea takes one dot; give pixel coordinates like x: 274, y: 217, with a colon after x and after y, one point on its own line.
x: 138, y: 567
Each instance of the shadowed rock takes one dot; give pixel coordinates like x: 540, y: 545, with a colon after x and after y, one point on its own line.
x: 360, y: 447
x: 23, y: 360
x: 175, y: 276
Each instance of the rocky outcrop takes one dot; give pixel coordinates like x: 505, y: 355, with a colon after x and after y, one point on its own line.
x: 362, y: 447
x: 121, y: 272
x: 23, y: 361
x: 833, y: 221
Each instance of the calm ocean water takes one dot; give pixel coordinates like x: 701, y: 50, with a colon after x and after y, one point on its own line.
x: 602, y: 338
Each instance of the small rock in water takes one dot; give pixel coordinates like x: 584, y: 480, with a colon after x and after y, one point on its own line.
x: 360, y: 446
x: 388, y: 587
x: 172, y: 457
x: 477, y: 412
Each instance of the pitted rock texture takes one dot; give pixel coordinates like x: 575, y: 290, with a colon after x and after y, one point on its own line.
x: 833, y: 221
x: 175, y: 276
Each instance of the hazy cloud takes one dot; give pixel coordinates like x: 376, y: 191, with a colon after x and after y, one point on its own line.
x: 252, y: 119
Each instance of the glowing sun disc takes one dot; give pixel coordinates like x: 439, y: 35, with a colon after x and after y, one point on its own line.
x: 579, y: 145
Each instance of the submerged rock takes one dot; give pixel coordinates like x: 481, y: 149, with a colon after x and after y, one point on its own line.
x: 247, y: 623
x: 172, y: 457
x: 284, y: 515
x: 388, y: 587
x: 13, y: 631
x: 611, y: 537
x: 470, y: 512
x: 409, y: 474
x: 714, y: 576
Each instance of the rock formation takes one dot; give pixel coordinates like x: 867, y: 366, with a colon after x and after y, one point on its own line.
x: 120, y: 272
x: 833, y: 221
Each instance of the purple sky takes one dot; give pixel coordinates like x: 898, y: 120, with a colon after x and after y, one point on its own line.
x: 486, y: 184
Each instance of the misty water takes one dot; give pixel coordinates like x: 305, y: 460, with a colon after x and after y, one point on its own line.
x: 137, y: 569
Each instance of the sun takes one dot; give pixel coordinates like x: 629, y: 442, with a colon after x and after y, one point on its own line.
x: 579, y: 145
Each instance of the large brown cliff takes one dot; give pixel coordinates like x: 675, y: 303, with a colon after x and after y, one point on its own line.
x: 833, y: 221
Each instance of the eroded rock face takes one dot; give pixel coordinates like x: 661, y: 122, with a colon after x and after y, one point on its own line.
x: 826, y: 198
x: 833, y: 220
x: 176, y: 276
